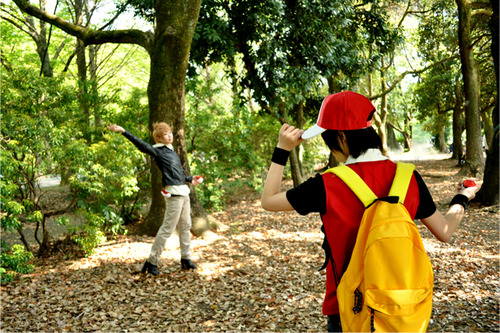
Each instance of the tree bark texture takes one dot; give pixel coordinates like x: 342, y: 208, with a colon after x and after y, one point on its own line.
x: 474, y: 147
x: 488, y: 194
x: 169, y: 54
x: 458, y: 123
x: 382, y: 113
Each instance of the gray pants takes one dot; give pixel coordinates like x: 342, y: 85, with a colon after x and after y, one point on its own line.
x: 178, y: 211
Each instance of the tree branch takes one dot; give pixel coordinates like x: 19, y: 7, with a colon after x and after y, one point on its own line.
x: 89, y: 36
x: 395, y: 127
x: 115, y: 17
x: 402, y: 76
x: 12, y: 20
x: 483, y: 11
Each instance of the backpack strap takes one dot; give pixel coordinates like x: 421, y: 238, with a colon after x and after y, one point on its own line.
x: 355, y: 183
x: 401, y: 182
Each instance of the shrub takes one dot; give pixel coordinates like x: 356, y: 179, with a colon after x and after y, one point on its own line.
x: 14, y: 261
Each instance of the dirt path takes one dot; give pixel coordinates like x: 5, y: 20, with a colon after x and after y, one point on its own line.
x: 256, y: 273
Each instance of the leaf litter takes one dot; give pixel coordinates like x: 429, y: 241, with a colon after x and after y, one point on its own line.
x: 257, y: 272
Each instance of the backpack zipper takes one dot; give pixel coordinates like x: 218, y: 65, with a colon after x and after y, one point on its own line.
x: 358, y: 301
x: 372, y: 320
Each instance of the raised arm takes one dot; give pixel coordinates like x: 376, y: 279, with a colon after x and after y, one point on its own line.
x: 141, y: 145
x: 272, y: 197
x: 444, y: 226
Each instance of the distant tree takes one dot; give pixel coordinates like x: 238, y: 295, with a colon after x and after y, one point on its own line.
x: 37, y: 30
x: 439, y: 91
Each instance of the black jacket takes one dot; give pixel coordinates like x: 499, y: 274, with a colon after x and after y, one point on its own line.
x: 166, y: 159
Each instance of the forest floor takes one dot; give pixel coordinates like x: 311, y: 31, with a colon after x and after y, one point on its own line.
x: 257, y: 272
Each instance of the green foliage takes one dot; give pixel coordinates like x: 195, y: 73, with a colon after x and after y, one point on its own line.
x: 104, y: 175
x: 14, y: 261
x: 228, y: 142
x: 90, y: 234
x: 434, y: 97
x: 39, y: 137
x: 290, y: 48
x: 32, y: 109
x: 437, y: 37
x: 142, y: 8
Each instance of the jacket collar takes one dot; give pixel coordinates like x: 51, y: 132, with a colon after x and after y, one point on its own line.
x: 371, y: 155
x: 158, y: 145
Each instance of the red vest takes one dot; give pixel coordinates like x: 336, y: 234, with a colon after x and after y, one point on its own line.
x: 343, y: 216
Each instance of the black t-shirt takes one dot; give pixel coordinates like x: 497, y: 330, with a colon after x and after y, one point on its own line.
x: 310, y: 196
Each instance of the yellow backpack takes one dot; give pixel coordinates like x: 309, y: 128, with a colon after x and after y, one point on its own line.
x: 388, y: 284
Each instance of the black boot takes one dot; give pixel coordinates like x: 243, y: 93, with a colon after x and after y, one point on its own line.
x: 150, y: 268
x: 187, y: 264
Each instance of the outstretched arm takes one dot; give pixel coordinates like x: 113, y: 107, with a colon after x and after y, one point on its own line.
x: 272, y: 197
x: 141, y: 145
x: 444, y: 226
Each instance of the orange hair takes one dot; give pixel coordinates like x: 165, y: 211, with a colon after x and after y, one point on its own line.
x: 159, y: 129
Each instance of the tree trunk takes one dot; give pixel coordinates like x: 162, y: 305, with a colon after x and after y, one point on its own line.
x: 408, y: 132
x: 81, y: 62
x: 487, y: 119
x: 42, y: 48
x: 44, y: 246
x: 301, y: 120
x: 333, y: 87
x: 458, y: 129
x: 488, y: 194
x: 295, y: 168
x: 175, y: 24
x: 474, y: 147
x: 458, y: 123
x: 442, y: 140
x: 392, y: 142
x: 296, y: 153
x: 94, y: 89
x: 381, y: 120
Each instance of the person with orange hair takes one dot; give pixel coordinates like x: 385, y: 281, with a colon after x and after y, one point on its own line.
x: 176, y: 192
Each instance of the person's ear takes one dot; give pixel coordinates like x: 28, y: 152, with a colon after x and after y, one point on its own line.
x: 342, y: 139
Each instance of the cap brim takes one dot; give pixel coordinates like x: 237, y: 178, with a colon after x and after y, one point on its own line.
x: 312, y: 132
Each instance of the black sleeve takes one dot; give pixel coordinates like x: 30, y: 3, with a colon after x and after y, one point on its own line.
x: 308, y: 197
x: 426, y: 206
x: 141, y: 145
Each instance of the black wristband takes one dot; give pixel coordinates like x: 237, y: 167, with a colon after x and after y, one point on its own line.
x: 460, y: 199
x: 280, y: 156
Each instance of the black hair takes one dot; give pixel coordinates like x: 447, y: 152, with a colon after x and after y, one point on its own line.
x: 358, y: 141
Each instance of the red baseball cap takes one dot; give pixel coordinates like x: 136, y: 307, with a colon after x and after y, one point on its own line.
x: 343, y: 111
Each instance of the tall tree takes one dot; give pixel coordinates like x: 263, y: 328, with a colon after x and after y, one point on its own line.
x: 488, y: 194
x: 474, y: 147
x: 168, y: 47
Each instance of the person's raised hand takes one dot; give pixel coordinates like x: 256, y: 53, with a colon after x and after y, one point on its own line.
x: 116, y: 128
x: 289, y: 137
x: 469, y: 191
